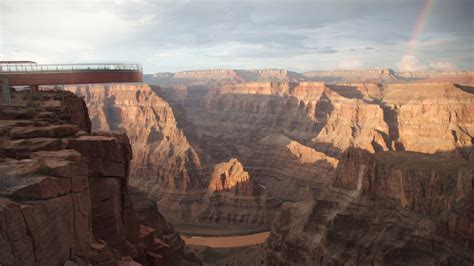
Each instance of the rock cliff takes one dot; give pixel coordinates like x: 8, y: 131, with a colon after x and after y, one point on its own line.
x: 64, y: 194
x: 387, y: 208
x: 261, y: 123
x: 288, y: 136
x: 216, y: 77
x: 429, y: 117
x: 171, y: 167
x: 163, y: 157
x: 382, y: 173
x: 230, y: 176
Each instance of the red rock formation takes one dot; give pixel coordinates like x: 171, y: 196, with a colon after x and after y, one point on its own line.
x: 45, y: 209
x: 287, y: 135
x: 64, y: 193
x: 166, y: 165
x: 217, y: 77
x: 393, y: 207
x: 229, y: 176
x: 422, y: 183
x: 434, y: 117
x: 163, y: 158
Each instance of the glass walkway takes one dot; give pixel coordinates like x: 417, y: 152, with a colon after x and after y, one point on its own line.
x: 27, y: 66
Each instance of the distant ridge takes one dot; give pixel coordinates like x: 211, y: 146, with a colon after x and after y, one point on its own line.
x: 218, y: 77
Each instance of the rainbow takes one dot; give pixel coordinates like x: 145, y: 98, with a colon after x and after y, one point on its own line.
x: 420, y: 23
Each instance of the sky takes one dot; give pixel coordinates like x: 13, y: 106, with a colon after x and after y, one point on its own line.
x: 170, y: 36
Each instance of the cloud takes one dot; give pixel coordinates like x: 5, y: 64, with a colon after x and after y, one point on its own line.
x: 444, y: 66
x: 60, y: 32
x: 254, y: 33
x: 410, y: 63
x: 326, y: 50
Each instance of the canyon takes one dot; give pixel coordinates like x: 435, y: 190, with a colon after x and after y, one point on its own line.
x: 290, y: 133
x: 169, y: 167
x: 236, y: 133
x: 341, y: 167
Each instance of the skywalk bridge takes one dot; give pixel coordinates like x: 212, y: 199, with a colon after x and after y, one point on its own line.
x: 33, y: 75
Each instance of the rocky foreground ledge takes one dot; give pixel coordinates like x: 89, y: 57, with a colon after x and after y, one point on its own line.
x: 64, y: 191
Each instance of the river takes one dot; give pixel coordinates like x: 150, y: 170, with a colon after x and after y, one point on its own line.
x: 226, y: 241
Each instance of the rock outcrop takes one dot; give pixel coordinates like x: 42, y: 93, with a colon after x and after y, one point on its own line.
x: 230, y: 176
x: 428, y: 184
x: 64, y: 191
x: 393, y: 207
x: 163, y: 158
x: 434, y: 117
x: 170, y: 167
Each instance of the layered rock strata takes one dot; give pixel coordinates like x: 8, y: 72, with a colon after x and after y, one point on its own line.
x: 435, y: 117
x: 229, y: 176
x: 170, y: 167
x: 383, y: 209
x: 287, y: 135
x: 261, y: 124
x: 64, y: 194
x: 218, y: 77
x: 163, y: 157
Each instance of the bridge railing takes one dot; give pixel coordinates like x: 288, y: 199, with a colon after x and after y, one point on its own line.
x: 69, y: 67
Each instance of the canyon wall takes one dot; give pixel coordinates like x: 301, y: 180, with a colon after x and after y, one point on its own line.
x: 429, y: 117
x: 64, y: 195
x: 288, y: 136
x: 247, y: 146
x: 381, y: 173
x: 163, y: 157
x: 387, y: 208
x: 171, y: 167
x: 217, y: 77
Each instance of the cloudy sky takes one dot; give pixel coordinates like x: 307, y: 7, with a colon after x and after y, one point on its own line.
x: 169, y: 36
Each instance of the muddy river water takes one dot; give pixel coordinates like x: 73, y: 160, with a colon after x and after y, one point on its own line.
x: 226, y: 241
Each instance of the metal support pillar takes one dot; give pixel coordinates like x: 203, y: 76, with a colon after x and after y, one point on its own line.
x: 5, y: 91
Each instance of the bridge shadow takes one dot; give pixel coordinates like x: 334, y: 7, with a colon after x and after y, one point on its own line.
x: 468, y: 89
x: 390, y: 116
x: 351, y: 92
x: 466, y: 153
x: 113, y: 114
